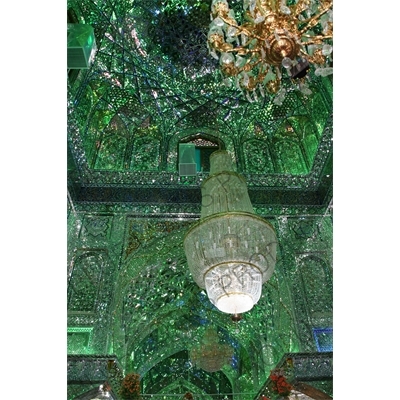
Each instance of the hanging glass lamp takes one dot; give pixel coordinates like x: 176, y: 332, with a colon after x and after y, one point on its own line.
x: 230, y: 251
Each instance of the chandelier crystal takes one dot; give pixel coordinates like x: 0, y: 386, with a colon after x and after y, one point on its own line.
x: 277, y: 38
x: 230, y: 251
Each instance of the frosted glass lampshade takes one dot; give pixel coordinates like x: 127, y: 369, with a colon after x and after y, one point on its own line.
x: 230, y: 250
x: 233, y: 287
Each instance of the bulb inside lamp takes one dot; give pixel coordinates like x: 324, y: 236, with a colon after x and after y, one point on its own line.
x: 234, y: 288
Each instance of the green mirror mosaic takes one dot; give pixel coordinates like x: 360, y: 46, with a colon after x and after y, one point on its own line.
x: 132, y: 304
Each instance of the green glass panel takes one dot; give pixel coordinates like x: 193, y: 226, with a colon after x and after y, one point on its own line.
x: 79, y: 340
x: 110, y: 153
x: 153, y: 84
x: 310, y: 144
x: 145, y: 155
x: 291, y: 159
x: 80, y: 35
x: 257, y: 157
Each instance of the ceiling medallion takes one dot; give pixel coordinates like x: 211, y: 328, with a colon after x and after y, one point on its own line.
x: 275, y: 39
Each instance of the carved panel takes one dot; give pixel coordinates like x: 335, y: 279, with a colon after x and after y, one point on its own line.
x: 85, y: 282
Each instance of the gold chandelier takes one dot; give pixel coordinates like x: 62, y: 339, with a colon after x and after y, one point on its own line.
x: 277, y: 37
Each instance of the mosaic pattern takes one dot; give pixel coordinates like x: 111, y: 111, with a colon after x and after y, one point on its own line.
x: 151, y: 86
x: 85, y: 373
x: 151, y: 313
x: 130, y: 295
x: 79, y: 340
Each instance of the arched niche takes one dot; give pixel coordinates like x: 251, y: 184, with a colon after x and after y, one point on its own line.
x: 307, y: 135
x: 145, y: 154
x: 111, y: 146
x: 158, y: 310
x: 206, y: 140
x: 85, y: 281
x: 156, y: 379
x: 257, y: 157
x: 319, y: 112
x: 295, y: 145
x: 204, y: 144
x: 290, y: 158
x: 114, y: 138
x: 316, y: 281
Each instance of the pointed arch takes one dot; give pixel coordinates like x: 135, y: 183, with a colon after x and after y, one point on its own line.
x: 257, y: 157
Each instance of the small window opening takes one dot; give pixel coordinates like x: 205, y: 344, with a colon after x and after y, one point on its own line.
x: 194, y: 154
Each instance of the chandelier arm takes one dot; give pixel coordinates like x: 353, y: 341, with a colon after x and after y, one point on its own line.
x: 306, y: 55
x: 251, y: 35
x: 278, y: 71
x: 241, y: 29
x: 315, y: 19
x: 300, y: 7
x: 271, y: 6
x: 240, y: 50
x: 316, y: 39
x: 251, y: 66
